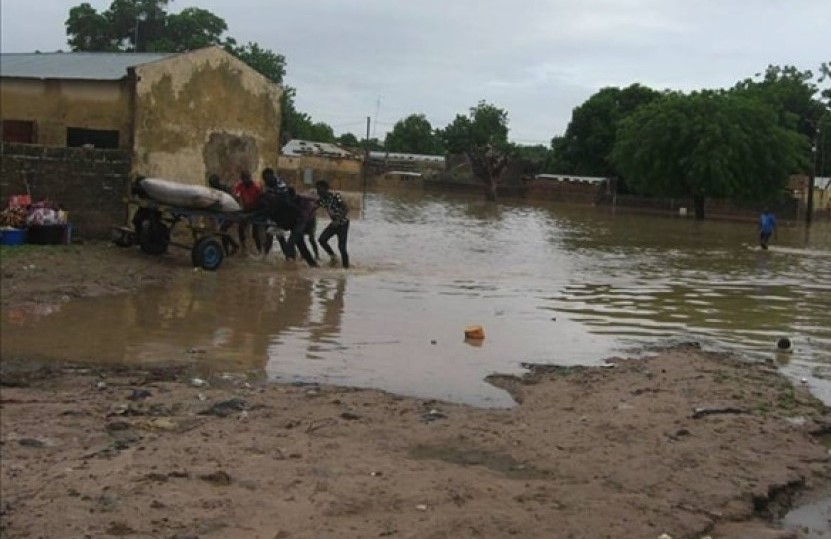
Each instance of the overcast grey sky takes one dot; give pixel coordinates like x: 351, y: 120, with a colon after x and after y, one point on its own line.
x: 537, y: 59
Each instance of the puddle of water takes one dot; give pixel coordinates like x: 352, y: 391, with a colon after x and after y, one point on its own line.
x: 557, y: 285
x: 812, y: 521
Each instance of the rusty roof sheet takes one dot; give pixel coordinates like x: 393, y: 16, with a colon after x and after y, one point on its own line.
x: 74, y: 65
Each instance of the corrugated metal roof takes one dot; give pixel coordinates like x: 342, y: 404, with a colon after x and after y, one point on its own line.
x: 74, y: 65
x: 306, y: 147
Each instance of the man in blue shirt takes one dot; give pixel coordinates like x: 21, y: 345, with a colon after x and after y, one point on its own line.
x: 767, y: 226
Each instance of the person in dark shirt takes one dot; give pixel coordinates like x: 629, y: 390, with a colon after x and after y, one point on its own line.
x: 281, y: 205
x: 304, y: 227
x: 339, y: 226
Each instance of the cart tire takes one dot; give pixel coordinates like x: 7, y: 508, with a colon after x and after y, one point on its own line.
x: 153, y: 237
x: 207, y: 254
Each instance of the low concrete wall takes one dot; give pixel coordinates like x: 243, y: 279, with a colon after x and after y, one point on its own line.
x: 90, y: 184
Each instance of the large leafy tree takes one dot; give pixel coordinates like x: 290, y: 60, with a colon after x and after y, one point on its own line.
x: 413, y: 134
x: 708, y: 144
x: 482, y: 135
x: 802, y: 102
x: 590, y: 136
x: 141, y: 26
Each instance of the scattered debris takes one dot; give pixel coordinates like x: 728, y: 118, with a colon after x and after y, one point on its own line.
x: 139, y: 394
x: 219, y: 478
x: 32, y: 442
x: 226, y: 408
x: 698, y: 413
x: 433, y: 415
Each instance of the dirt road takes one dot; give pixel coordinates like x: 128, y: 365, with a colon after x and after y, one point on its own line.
x: 686, y: 444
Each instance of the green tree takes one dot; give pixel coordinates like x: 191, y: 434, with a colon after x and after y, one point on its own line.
x: 349, y: 140
x: 268, y: 63
x: 822, y: 141
x: 456, y: 135
x: 413, y: 134
x: 88, y: 30
x: 483, y: 137
x: 590, y: 136
x: 801, y: 102
x: 791, y: 93
x: 707, y: 144
x: 538, y: 154
x: 142, y: 26
x: 193, y: 28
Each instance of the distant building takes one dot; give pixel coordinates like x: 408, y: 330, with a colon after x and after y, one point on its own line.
x: 303, y: 162
x: 296, y: 148
x: 571, y: 178
x: 180, y: 116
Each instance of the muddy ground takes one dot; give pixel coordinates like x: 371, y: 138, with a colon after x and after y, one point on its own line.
x: 687, y: 444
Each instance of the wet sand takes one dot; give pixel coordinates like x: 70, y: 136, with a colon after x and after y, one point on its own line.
x: 687, y: 444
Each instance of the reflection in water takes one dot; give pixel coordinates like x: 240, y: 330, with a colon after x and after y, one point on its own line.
x: 550, y: 284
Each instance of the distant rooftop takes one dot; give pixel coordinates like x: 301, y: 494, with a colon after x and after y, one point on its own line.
x: 305, y: 147
x: 570, y: 178
x: 396, y: 156
x: 74, y: 65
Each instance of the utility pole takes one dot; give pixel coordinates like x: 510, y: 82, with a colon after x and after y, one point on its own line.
x: 366, y: 154
x: 809, y: 210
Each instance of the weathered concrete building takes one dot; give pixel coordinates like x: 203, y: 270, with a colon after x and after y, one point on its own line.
x: 180, y: 116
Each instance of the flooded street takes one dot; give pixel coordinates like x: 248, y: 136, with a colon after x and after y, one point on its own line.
x: 549, y: 284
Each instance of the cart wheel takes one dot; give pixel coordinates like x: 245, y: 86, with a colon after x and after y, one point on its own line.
x: 153, y: 237
x: 207, y: 254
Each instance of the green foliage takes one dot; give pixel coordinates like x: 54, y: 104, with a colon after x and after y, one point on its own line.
x: 88, y: 30
x: 537, y: 154
x: 707, y: 144
x: 483, y: 137
x: 192, y: 28
x: 456, y: 136
x: 590, y: 136
x: 800, y: 103
x: 485, y: 125
x: 349, y: 140
x: 270, y: 64
x: 413, y: 134
x: 790, y: 92
x: 141, y: 26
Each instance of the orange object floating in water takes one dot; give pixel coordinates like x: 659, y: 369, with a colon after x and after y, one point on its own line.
x: 474, y: 332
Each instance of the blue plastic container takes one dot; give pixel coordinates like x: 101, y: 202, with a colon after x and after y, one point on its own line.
x: 13, y: 236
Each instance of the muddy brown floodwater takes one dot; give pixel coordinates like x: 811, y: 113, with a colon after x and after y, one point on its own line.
x: 588, y: 452
x: 549, y: 284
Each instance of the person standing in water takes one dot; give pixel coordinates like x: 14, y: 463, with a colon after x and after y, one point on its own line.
x: 767, y: 226
x: 339, y: 226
